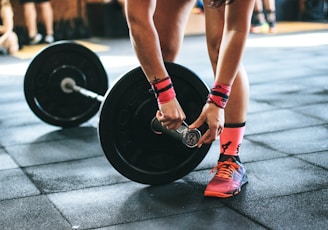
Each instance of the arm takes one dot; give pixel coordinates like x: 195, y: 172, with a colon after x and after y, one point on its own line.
x: 146, y: 43
x: 144, y: 38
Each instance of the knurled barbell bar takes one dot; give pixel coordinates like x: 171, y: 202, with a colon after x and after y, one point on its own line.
x: 187, y: 137
x: 64, y: 84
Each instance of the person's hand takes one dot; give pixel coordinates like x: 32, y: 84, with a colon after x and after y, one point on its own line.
x: 170, y: 114
x: 214, y: 117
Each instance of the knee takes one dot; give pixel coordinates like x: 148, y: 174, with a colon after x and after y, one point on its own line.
x: 169, y: 52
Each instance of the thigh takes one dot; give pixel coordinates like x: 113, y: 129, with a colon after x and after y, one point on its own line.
x: 172, y: 13
x: 140, y: 11
x: 171, y: 17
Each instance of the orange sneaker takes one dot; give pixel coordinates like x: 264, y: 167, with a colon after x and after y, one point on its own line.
x: 229, y: 178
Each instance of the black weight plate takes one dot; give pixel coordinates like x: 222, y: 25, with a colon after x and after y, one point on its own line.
x: 45, y: 73
x: 125, y: 132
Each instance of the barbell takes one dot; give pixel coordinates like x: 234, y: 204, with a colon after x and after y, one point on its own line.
x: 66, y: 84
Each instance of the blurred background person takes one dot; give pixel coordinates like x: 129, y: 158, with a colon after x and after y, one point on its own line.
x: 263, y: 23
x: 199, y: 7
x: 30, y: 16
x: 8, y: 38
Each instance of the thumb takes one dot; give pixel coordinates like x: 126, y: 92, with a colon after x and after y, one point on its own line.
x: 159, y: 114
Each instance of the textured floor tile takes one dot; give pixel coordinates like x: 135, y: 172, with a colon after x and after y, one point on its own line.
x: 319, y: 159
x: 14, y: 183
x: 251, y: 151
x: 295, y: 141
x: 258, y: 106
x: 319, y: 110
x: 300, y: 211
x: 42, y: 132
x: 6, y: 162
x: 24, y: 134
x: 276, y: 120
x: 31, y: 213
x: 220, y: 218
x: 74, y: 175
x: 129, y: 202
x: 68, y: 147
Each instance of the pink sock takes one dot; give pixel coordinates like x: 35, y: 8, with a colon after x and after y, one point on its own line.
x: 231, y: 138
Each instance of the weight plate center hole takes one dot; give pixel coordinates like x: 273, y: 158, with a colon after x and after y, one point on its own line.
x: 67, y: 85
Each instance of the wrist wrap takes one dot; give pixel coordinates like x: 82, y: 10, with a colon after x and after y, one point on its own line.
x: 163, y: 90
x: 219, y: 95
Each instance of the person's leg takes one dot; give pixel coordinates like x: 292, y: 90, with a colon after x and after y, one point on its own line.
x: 270, y: 8
x: 30, y: 16
x: 235, y: 114
x: 198, y: 7
x: 171, y: 17
x: 259, y: 23
x: 47, y: 17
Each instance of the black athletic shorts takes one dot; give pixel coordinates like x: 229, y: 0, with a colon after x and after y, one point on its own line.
x: 36, y: 1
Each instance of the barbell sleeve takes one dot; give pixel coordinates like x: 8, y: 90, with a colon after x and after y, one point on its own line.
x: 188, y: 137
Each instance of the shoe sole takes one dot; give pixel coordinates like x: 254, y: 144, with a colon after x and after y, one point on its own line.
x: 227, y: 195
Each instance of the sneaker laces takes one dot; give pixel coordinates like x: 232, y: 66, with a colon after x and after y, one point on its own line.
x: 225, y: 169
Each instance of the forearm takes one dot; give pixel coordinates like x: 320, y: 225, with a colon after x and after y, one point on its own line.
x: 146, y: 44
x: 144, y: 37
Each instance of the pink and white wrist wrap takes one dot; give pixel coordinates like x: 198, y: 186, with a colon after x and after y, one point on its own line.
x: 163, y: 90
x: 219, y: 95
